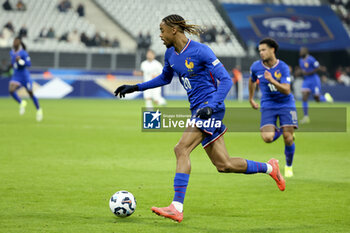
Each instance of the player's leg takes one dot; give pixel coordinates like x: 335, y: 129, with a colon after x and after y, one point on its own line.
x: 317, y: 93
x: 289, y: 149
x: 289, y: 121
x: 13, y: 86
x: 189, y: 140
x: 157, y: 96
x: 324, y: 98
x: 270, y: 133
x: 219, y: 156
x: 39, y: 111
x: 305, y: 96
x: 147, y: 95
x: 268, y: 130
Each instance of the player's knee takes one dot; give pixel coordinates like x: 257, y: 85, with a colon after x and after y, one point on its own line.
x: 288, y: 139
x: 305, y: 98
x: 12, y: 89
x: 267, y: 138
x: 180, y: 150
x: 225, y: 167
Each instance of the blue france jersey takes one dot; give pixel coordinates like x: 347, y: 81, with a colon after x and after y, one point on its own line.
x: 20, y: 71
x: 309, y: 64
x: 199, y: 71
x: 271, y: 97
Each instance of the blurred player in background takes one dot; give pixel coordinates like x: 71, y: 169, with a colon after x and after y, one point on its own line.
x: 20, y: 60
x: 199, y: 71
x: 277, y: 101
x: 151, y: 68
x: 312, y: 83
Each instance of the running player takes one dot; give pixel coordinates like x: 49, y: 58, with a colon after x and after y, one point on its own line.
x: 151, y: 68
x: 199, y: 71
x: 20, y: 60
x: 277, y: 101
x: 312, y: 84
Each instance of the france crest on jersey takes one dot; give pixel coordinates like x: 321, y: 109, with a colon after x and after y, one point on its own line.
x: 271, y: 97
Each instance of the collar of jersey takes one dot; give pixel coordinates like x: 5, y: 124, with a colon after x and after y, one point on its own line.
x: 17, y: 51
x: 278, y: 61
x: 307, y: 56
x: 183, y: 50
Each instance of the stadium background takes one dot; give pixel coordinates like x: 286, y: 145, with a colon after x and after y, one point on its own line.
x: 57, y: 175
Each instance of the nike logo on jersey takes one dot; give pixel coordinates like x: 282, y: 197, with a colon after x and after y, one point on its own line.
x: 260, y: 76
x: 172, y: 65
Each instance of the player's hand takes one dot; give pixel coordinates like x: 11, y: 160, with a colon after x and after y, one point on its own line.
x: 18, y: 58
x: 204, y: 113
x: 254, y: 104
x: 125, y: 89
x: 268, y: 76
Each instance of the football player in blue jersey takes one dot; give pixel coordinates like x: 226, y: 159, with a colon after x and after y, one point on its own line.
x: 277, y: 101
x: 199, y: 72
x: 20, y: 60
x: 311, y: 84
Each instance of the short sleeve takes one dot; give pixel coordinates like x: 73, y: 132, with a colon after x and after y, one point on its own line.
x: 285, y: 74
x: 253, y: 74
x: 314, y: 63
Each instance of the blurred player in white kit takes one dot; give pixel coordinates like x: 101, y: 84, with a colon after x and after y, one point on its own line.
x: 151, y: 68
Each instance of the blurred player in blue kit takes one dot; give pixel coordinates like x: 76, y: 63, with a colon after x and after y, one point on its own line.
x: 277, y: 101
x: 20, y: 60
x: 199, y: 71
x: 312, y: 83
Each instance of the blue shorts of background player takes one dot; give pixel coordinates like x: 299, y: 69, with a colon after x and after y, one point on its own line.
x: 312, y: 85
x: 286, y: 116
x: 25, y: 82
x: 212, y: 132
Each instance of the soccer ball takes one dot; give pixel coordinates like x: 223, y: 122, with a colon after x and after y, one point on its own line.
x: 122, y: 203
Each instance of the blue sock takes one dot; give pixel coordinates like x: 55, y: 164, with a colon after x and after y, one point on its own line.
x: 36, y: 102
x: 322, y: 98
x: 180, y: 186
x: 255, y: 167
x: 278, y: 133
x: 289, y: 152
x: 306, y: 108
x: 16, y: 97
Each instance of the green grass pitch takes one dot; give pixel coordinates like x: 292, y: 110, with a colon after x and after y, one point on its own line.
x: 58, y: 175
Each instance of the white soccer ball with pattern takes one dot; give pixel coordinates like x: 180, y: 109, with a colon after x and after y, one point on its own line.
x: 122, y: 203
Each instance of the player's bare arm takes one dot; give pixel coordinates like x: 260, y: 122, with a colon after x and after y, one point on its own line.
x: 284, y: 88
x: 252, y: 87
x: 314, y: 71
